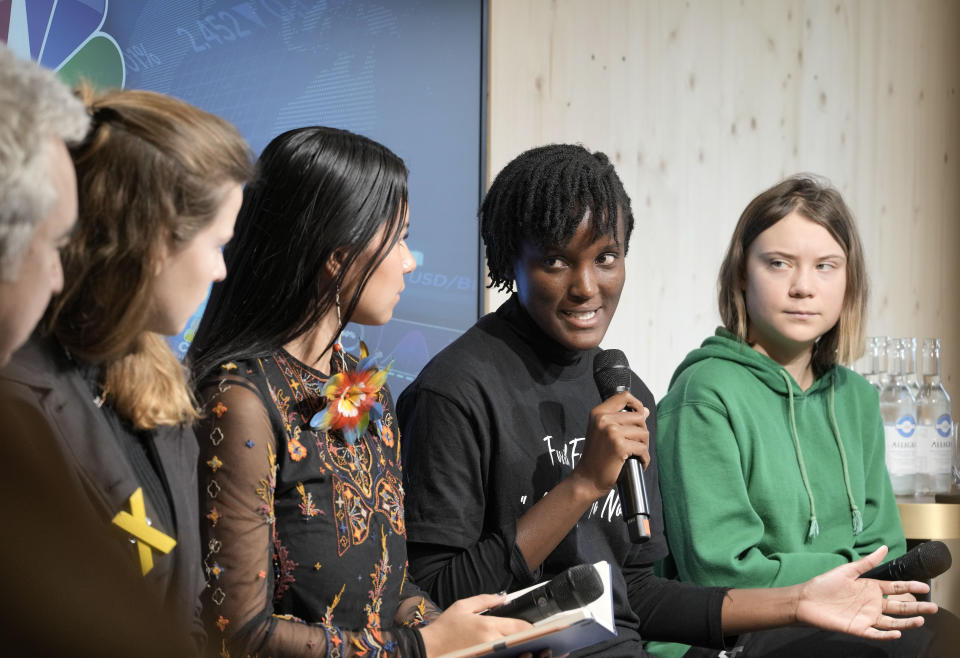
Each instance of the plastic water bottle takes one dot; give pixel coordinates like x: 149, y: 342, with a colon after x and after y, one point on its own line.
x: 883, y: 367
x: 935, y: 439
x: 899, y: 411
x: 910, y: 365
x: 873, y: 360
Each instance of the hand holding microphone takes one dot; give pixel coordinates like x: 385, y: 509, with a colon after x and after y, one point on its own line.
x: 622, y: 420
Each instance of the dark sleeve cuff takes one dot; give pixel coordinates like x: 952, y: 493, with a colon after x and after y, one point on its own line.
x: 492, y: 564
x: 718, y: 639
x: 710, y: 632
x: 417, y: 647
x: 673, y: 611
x: 523, y: 576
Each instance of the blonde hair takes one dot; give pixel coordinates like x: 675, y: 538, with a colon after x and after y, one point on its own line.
x: 817, y: 201
x: 152, y: 170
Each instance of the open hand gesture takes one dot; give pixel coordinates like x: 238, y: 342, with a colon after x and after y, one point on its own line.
x: 840, y: 600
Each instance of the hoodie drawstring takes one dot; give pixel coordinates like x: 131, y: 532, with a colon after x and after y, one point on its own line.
x: 814, y: 529
x: 855, y: 515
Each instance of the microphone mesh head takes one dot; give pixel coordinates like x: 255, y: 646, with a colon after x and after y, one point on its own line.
x: 610, y: 359
x: 934, y: 558
x: 577, y: 586
x: 611, y: 372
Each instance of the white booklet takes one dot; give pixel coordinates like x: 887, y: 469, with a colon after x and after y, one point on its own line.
x: 562, y: 633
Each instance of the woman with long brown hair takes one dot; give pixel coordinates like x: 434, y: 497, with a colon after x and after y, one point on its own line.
x: 159, y: 186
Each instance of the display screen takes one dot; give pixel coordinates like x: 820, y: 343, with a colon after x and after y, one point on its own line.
x: 406, y: 73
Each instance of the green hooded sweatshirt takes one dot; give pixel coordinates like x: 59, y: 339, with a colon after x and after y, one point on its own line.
x: 766, y: 485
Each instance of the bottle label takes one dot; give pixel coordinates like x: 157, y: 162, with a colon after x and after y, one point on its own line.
x: 906, y: 426
x: 944, y: 426
x: 934, y: 452
x: 901, y: 447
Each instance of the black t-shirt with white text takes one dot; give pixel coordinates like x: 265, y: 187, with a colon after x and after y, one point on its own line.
x: 492, y: 424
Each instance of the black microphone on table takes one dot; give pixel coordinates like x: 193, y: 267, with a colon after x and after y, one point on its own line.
x: 611, y: 372
x: 923, y: 562
x: 574, y: 588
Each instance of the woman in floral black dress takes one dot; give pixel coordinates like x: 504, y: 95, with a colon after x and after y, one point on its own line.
x: 303, y: 530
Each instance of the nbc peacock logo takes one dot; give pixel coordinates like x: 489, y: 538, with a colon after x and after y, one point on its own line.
x: 66, y: 36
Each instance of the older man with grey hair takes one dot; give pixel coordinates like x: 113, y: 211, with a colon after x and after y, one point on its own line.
x: 38, y: 191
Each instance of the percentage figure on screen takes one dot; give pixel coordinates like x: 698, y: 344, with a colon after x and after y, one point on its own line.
x: 138, y: 59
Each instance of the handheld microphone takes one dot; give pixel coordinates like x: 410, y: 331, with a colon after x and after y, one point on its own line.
x: 611, y: 372
x: 574, y: 588
x: 923, y: 562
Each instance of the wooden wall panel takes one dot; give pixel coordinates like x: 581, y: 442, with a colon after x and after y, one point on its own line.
x: 704, y: 104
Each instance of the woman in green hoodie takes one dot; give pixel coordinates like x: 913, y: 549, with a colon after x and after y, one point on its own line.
x: 771, y: 452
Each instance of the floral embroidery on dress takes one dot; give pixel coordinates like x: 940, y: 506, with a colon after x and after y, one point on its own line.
x: 307, y: 507
x: 281, y: 399
x: 295, y: 448
x: 304, y: 384
x: 291, y: 420
x: 418, y: 618
x: 327, y: 617
x: 283, y: 568
x: 378, y: 579
x: 354, y: 462
x: 390, y: 501
x: 391, y: 440
x: 387, y: 435
x: 352, y: 515
x: 323, y: 504
x: 213, y: 547
x: 267, y: 486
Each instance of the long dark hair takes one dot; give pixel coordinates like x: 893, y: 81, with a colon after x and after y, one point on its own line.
x: 317, y: 191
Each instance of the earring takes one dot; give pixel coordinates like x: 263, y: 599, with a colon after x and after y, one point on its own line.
x: 337, y: 345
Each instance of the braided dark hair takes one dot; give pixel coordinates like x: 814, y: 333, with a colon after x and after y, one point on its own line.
x: 542, y: 196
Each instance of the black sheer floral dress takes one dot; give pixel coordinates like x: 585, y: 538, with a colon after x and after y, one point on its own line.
x: 303, y: 533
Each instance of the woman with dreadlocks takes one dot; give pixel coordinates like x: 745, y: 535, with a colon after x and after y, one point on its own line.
x: 511, y: 456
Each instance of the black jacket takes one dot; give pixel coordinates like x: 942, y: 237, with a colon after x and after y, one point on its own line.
x: 42, y: 375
